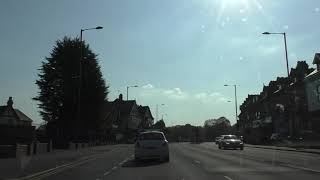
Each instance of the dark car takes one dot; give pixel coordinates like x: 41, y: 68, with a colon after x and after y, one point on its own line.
x: 231, y: 142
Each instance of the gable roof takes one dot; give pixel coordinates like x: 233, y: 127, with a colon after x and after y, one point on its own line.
x: 145, y: 109
x: 124, y: 107
x: 18, y: 114
x: 22, y: 116
x: 117, y: 108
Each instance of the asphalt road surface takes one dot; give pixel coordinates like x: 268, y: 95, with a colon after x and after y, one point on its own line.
x: 191, y: 162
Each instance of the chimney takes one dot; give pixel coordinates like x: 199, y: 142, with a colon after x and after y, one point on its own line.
x: 316, y: 61
x: 10, y: 102
x: 120, y: 97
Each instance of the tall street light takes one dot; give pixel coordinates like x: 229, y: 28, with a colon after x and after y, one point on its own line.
x: 80, y: 68
x: 285, y: 46
x: 157, y: 107
x: 163, y: 115
x: 235, y: 101
x: 128, y: 90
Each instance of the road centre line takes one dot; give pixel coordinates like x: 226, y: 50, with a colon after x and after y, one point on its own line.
x: 196, y: 161
x: 227, y: 177
x: 57, y: 169
x: 62, y: 169
x: 106, y: 173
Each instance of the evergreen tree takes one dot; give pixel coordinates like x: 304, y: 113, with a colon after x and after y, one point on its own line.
x: 59, y: 84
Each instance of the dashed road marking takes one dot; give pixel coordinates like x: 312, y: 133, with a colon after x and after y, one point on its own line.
x: 106, y: 173
x: 227, y: 177
x: 196, y: 161
x: 56, y: 170
x: 63, y: 167
x: 116, y: 167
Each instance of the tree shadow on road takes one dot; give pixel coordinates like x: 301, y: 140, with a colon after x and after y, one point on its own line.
x: 141, y: 163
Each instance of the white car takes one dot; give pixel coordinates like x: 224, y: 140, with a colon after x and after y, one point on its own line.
x: 152, y: 145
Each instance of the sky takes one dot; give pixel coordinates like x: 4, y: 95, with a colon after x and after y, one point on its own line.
x: 180, y: 53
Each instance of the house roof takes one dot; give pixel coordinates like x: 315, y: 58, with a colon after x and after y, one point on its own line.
x: 20, y: 115
x: 144, y: 110
x: 125, y: 107
x: 312, y: 74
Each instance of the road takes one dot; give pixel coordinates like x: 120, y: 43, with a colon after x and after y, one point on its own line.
x: 192, y: 162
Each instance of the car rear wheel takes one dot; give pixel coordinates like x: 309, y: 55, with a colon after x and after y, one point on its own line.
x: 166, y: 159
x: 136, y: 158
x: 241, y: 148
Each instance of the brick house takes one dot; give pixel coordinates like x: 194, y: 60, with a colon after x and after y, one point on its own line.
x: 312, y: 82
x: 280, y: 108
x: 125, y: 118
x: 15, y: 126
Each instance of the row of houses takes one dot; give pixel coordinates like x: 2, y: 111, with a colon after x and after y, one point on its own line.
x: 121, y: 121
x: 287, y: 106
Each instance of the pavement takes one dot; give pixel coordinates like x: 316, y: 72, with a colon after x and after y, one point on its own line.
x: 305, y: 150
x: 187, y: 162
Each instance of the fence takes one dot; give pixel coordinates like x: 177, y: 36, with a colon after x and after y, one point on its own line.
x: 10, y: 151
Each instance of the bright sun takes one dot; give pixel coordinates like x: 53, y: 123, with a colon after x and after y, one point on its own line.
x: 241, y: 5
x: 235, y: 3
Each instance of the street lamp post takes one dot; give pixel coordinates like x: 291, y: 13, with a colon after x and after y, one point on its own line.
x: 128, y: 90
x: 235, y: 102
x: 285, y: 47
x: 80, y: 69
x: 157, y: 107
x: 163, y: 115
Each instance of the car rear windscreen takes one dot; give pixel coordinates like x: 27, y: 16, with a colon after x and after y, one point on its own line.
x: 230, y: 137
x: 151, y: 136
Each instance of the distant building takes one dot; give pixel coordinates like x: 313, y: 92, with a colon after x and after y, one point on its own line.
x: 125, y: 118
x: 312, y: 82
x: 147, y: 118
x: 280, y: 108
x: 13, y: 117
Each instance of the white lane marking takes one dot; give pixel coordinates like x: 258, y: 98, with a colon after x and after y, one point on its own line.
x: 60, y: 168
x: 41, y: 176
x: 106, y: 173
x: 302, y: 168
x: 227, y: 177
x: 115, y: 167
x: 196, y: 161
